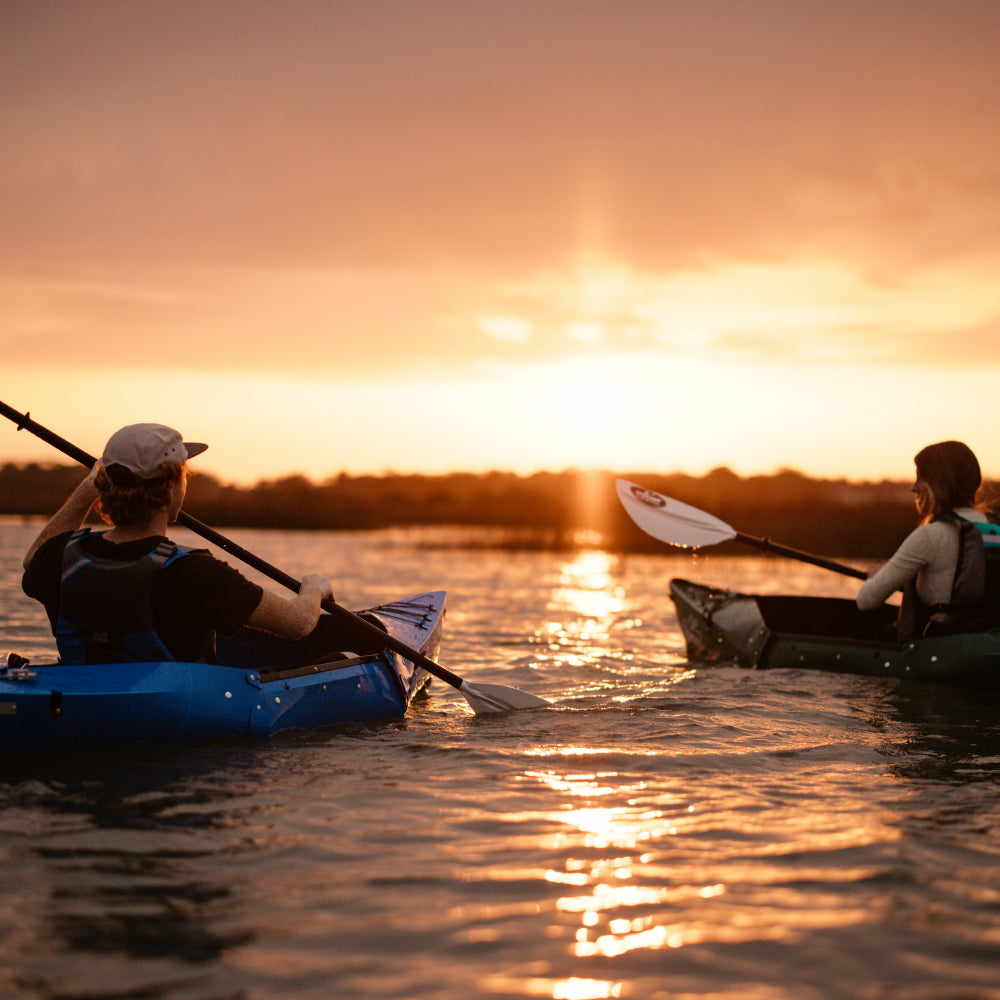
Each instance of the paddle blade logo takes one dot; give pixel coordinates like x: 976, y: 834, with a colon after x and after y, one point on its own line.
x: 648, y: 497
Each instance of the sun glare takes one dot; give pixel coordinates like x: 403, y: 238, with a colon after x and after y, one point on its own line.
x: 599, y: 367
x: 585, y: 332
x: 512, y: 329
x: 589, y: 402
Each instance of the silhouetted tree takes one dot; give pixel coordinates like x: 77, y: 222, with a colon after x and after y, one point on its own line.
x: 828, y: 517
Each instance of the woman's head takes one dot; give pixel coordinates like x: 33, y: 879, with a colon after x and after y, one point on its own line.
x: 948, y: 476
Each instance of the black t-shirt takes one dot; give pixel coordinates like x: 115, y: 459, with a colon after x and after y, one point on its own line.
x: 193, y: 598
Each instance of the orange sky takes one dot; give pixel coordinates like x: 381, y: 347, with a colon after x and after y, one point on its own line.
x: 427, y: 236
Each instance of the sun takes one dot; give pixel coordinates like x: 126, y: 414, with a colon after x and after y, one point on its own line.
x: 589, y: 402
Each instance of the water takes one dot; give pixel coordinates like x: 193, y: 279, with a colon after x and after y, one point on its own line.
x: 663, y: 832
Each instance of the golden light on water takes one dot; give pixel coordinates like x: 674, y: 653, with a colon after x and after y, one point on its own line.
x: 632, y: 876
x: 585, y: 602
x: 588, y: 590
x: 572, y: 988
x: 592, y: 623
x: 605, y: 847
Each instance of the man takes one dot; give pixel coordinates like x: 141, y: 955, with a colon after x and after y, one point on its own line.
x: 129, y: 593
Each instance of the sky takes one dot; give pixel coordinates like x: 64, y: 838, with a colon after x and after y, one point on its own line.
x: 335, y: 236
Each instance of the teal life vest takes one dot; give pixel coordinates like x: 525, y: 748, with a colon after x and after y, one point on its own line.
x: 974, y: 604
x: 105, y: 605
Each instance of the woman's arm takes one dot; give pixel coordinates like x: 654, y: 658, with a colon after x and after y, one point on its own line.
x: 907, y: 561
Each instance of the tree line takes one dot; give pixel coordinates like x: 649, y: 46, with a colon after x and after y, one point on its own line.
x: 547, y: 509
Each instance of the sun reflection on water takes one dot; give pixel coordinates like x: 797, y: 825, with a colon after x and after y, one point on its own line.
x: 609, y: 852
x: 587, y: 604
x: 587, y: 587
x: 595, y: 628
x: 571, y: 988
x: 625, y: 858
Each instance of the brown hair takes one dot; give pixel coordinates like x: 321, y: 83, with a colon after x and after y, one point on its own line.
x: 131, y: 502
x: 952, y: 472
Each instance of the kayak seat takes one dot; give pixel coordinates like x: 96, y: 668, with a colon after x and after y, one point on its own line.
x: 253, y: 649
x: 828, y: 617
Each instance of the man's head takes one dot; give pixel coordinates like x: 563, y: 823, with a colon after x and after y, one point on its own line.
x: 142, y: 472
x: 139, y: 451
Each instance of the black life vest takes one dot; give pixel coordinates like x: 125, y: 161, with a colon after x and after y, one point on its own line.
x: 974, y: 604
x: 105, y: 607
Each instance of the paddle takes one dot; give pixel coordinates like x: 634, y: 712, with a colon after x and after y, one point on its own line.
x: 677, y: 523
x: 483, y: 698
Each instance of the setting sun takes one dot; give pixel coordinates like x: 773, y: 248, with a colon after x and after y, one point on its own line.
x: 589, y: 402
x: 751, y: 286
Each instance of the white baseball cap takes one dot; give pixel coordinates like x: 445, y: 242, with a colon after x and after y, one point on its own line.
x: 143, y: 448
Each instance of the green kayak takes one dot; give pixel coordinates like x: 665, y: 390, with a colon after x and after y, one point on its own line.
x: 825, y: 633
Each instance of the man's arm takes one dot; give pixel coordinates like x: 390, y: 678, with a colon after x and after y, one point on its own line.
x: 292, y: 617
x: 69, y: 516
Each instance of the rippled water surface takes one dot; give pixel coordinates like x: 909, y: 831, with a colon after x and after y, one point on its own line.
x: 662, y: 832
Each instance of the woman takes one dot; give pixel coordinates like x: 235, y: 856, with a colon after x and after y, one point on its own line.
x: 941, y: 565
x: 129, y: 593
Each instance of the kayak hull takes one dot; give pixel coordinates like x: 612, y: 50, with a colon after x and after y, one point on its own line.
x: 262, y: 686
x: 820, y: 633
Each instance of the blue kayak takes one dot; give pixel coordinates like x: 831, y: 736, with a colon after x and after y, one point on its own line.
x: 261, y: 686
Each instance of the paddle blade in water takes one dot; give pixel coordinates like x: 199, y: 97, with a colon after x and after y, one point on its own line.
x: 670, y: 520
x: 486, y: 698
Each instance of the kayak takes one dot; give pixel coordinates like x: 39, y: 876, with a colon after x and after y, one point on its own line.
x: 825, y: 633
x: 262, y: 685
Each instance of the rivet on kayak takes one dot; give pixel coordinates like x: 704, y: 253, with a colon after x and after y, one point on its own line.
x: 887, y: 664
x: 277, y: 701
x: 229, y: 694
x: 933, y: 659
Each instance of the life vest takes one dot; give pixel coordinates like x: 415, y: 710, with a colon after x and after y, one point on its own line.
x: 105, y: 606
x: 974, y: 605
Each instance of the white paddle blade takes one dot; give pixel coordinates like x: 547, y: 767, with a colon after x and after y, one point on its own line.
x: 485, y: 698
x: 669, y: 520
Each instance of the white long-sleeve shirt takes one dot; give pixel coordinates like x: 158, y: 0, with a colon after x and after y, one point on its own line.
x: 930, y: 553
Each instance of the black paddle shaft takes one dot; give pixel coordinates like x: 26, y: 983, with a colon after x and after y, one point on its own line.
x: 24, y: 422
x: 766, y: 545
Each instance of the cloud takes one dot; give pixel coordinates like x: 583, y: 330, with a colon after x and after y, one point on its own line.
x: 823, y: 311
x: 359, y: 188
x: 490, y: 134
x: 380, y: 323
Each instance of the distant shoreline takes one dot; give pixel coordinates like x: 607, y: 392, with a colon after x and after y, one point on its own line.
x: 563, y: 510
